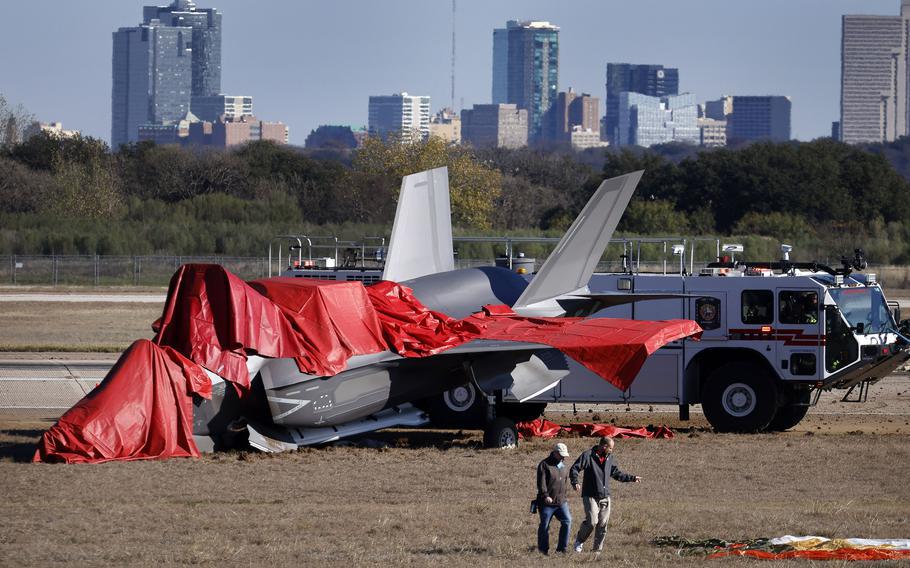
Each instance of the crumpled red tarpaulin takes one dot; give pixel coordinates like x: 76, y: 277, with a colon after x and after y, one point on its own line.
x: 543, y: 428
x: 142, y: 410
x: 215, y: 319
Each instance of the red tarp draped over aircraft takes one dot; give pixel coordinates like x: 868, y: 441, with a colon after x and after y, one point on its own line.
x: 542, y: 428
x: 142, y: 410
x: 214, y: 319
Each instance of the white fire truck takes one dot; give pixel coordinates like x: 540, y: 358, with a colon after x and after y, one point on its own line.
x: 774, y: 333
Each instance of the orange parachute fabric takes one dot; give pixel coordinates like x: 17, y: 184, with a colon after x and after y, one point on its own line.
x: 542, y: 428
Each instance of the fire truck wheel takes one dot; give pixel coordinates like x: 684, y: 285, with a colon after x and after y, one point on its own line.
x: 738, y: 397
x: 791, y: 414
x: 500, y: 433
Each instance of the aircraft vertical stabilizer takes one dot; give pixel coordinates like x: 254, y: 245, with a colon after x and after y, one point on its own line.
x: 421, y: 240
x: 570, y: 265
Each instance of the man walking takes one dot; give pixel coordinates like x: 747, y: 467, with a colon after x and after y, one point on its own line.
x: 598, y: 467
x: 552, y: 486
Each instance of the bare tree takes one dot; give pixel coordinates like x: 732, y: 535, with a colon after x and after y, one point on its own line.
x: 13, y: 122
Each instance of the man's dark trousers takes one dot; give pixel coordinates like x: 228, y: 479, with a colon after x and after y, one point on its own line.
x: 547, y: 512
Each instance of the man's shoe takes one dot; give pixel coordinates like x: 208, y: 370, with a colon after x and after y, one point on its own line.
x: 579, y: 546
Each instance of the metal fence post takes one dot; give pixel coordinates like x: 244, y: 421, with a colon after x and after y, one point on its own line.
x: 97, y: 272
x: 12, y: 271
x: 55, y: 270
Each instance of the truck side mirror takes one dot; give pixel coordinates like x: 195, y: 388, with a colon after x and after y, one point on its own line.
x: 860, y: 328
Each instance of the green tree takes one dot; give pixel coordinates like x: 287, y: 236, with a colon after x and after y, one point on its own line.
x: 473, y: 186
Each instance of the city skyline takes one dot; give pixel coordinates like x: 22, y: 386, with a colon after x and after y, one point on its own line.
x: 354, y: 50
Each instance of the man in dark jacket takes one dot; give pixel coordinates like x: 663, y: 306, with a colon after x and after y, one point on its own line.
x: 552, y: 499
x: 598, y: 466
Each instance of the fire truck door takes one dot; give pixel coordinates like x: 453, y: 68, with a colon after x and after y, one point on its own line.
x: 798, y: 335
x: 709, y: 310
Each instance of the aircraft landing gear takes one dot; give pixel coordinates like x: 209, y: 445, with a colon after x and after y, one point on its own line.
x: 500, y: 433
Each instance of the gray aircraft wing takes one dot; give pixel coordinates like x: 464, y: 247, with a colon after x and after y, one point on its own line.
x: 421, y: 241
x: 570, y: 265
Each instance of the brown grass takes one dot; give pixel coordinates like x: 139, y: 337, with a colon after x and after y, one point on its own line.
x: 74, y: 326
x: 436, y: 498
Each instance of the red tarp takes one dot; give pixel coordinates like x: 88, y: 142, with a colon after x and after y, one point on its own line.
x: 214, y: 319
x: 142, y: 410
x: 542, y: 428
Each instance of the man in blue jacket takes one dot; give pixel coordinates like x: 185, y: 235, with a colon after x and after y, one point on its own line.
x: 598, y: 467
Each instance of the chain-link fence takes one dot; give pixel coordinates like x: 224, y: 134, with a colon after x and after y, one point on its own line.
x: 74, y: 270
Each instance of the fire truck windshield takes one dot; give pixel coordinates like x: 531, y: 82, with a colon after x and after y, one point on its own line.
x: 864, y: 305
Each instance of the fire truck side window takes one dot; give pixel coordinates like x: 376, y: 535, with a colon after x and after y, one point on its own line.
x: 758, y: 306
x: 798, y: 307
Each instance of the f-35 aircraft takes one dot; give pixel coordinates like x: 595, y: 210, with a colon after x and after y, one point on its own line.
x: 385, y: 389
x: 283, y: 362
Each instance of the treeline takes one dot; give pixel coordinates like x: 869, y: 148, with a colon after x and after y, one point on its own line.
x: 75, y: 196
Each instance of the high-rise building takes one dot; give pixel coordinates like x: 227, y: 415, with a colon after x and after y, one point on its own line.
x: 759, y: 118
x: 401, y: 114
x: 569, y: 110
x: 159, y: 65
x: 526, y: 63
x: 646, y: 121
x: 210, y: 107
x: 205, y: 42
x: 501, y: 64
x: 874, y: 76
x: 651, y: 80
x: 496, y: 126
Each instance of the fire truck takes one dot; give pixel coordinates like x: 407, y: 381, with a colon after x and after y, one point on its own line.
x: 775, y: 334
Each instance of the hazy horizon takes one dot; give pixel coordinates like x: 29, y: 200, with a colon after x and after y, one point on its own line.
x: 312, y: 63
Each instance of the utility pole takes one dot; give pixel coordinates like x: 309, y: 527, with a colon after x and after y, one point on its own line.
x: 453, y: 56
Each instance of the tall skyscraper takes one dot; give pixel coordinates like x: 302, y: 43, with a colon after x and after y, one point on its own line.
x: 526, y: 63
x: 651, y: 80
x: 159, y: 65
x: 874, y: 75
x: 403, y: 114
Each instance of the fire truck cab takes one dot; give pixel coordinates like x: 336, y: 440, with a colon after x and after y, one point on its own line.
x: 774, y: 333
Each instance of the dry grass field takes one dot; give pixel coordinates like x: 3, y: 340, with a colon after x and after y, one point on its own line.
x: 79, y: 326
x: 436, y: 498
x: 430, y: 497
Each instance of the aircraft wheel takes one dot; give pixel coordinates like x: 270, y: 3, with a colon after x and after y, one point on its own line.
x: 500, y: 433
x: 737, y: 397
x: 790, y: 415
x: 459, y: 407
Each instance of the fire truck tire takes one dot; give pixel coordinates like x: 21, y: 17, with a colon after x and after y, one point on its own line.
x: 791, y: 414
x: 459, y: 407
x: 500, y: 434
x: 738, y: 397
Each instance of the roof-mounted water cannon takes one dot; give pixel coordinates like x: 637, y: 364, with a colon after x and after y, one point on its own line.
x: 858, y: 262
x: 785, y: 252
x: 732, y: 249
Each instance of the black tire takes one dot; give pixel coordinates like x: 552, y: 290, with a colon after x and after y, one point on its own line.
x: 792, y: 413
x: 521, y: 411
x: 500, y: 433
x: 459, y: 407
x: 739, y: 397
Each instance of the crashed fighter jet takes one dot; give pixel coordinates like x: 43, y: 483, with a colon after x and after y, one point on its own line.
x: 289, y: 362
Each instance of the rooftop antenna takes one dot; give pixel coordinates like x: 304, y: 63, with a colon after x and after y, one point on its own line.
x: 453, y: 55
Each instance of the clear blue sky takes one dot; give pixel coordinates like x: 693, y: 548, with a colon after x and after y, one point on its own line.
x: 315, y: 62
